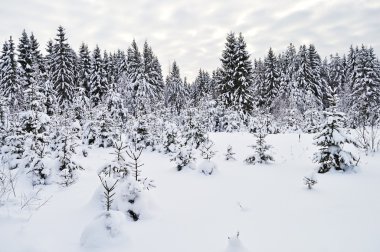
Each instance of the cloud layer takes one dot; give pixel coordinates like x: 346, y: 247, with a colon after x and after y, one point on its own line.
x: 193, y: 32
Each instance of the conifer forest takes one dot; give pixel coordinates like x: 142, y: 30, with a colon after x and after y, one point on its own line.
x: 112, y: 151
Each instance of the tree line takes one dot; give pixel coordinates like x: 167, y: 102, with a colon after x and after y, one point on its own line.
x: 292, y: 85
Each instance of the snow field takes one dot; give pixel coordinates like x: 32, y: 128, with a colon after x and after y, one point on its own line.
x: 267, y: 204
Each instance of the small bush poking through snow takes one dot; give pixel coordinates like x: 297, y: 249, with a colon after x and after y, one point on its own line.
x: 230, y: 154
x: 309, y: 182
x: 109, y: 188
x: 207, y: 167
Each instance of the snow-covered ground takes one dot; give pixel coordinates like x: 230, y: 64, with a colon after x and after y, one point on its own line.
x: 268, y: 205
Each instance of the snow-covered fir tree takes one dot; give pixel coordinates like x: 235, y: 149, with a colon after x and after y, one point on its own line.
x: 270, y: 86
x: 65, y: 150
x: 84, y: 68
x: 150, y: 90
x: 331, y: 140
x: 175, y: 92
x: 261, y: 149
x: 98, y: 78
x: 184, y: 157
x: 9, y: 86
x: 200, y: 88
x: 365, y: 90
x: 236, y: 75
x: 62, y: 69
x: 36, y: 54
x: 24, y: 59
x: 207, y: 167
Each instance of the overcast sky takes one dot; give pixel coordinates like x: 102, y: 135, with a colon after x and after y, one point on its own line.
x: 193, y: 32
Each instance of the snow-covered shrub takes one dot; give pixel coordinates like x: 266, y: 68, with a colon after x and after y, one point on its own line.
x: 170, y: 139
x: 13, y: 149
x: 194, y: 134
x: 368, y: 137
x: 226, y: 120
x: 206, y: 149
x: 118, y: 167
x: 207, y: 167
x: 330, y: 141
x: 106, y: 134
x: 313, y: 119
x: 184, y: 158
x: 129, y: 196
x: 90, y: 132
x: 115, y: 107
x: 8, y: 181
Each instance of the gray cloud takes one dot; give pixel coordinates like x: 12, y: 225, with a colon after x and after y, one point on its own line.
x: 193, y: 32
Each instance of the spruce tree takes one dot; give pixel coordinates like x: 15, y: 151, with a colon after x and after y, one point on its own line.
x: 25, y: 60
x: 261, y: 150
x: 36, y: 56
x: 134, y: 73
x: 271, y: 81
x: 330, y: 141
x: 175, y: 93
x: 151, y: 87
x: 307, y: 94
x: 63, y: 69
x: 235, y: 84
x: 84, y: 65
x: 98, y: 78
x: 365, y: 92
x: 336, y: 75
x: 9, y: 85
x: 201, y: 87
x: 318, y: 84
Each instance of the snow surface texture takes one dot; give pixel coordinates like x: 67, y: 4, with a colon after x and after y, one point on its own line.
x: 189, y: 212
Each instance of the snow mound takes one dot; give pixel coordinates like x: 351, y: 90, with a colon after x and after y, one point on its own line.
x: 103, y: 229
x: 235, y: 245
x: 207, y: 167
